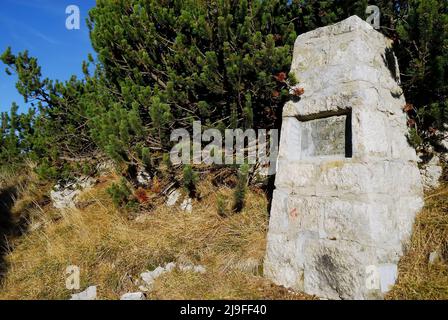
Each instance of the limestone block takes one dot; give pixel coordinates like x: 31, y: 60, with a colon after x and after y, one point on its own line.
x: 347, y: 186
x: 290, y: 148
x: 279, y: 216
x: 292, y: 175
x: 336, y: 270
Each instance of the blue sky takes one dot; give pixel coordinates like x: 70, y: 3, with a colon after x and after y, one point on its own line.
x: 39, y: 26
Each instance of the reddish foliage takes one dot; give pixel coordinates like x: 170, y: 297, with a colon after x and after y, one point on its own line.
x: 281, y: 77
x: 275, y: 94
x: 298, y: 91
x: 411, y: 123
x: 277, y: 37
x: 408, y: 107
x: 141, y: 195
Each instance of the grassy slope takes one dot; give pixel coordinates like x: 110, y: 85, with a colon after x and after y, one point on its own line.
x: 112, y: 250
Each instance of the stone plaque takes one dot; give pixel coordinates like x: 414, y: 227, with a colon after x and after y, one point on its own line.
x: 330, y: 136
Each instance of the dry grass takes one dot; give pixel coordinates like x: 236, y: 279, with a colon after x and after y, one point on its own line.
x: 418, y: 279
x: 26, y: 190
x: 112, y: 251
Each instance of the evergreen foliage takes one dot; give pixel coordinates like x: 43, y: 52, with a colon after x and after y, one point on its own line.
x: 241, y: 188
x: 122, y: 195
x: 54, y: 128
x: 162, y: 64
x: 190, y: 180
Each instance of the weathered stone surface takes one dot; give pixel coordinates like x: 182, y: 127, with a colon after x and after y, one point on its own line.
x: 64, y: 196
x: 149, y: 277
x: 431, y: 173
x: 144, y: 179
x: 133, y: 296
x: 187, y: 205
x: 434, y: 257
x: 173, y: 197
x: 324, y: 137
x: 347, y: 186
x: 88, y: 294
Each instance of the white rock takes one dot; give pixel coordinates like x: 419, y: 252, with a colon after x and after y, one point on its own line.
x: 170, y: 266
x: 88, y: 294
x: 150, y: 277
x: 143, y: 178
x: 64, y: 197
x: 133, y: 296
x: 199, y: 269
x: 347, y: 186
x: 185, y: 268
x: 187, y: 205
x: 173, y: 197
x: 388, y: 276
x: 431, y: 173
x: 434, y: 257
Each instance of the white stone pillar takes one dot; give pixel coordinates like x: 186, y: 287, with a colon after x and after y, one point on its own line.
x: 347, y: 186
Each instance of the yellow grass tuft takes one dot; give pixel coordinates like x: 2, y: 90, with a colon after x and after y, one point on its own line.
x: 418, y: 279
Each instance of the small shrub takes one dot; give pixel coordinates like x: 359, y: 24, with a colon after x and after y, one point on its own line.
x: 121, y: 194
x: 221, y: 206
x: 146, y: 159
x: 190, y: 180
x: 241, y: 188
x: 414, y: 138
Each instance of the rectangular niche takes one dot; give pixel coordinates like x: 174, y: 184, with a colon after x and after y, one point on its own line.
x: 327, y: 135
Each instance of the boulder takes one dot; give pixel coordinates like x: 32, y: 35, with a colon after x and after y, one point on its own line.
x: 64, y: 195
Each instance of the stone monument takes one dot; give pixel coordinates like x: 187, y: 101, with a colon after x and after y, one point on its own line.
x: 347, y: 186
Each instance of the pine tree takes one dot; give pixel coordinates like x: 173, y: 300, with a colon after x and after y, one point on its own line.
x: 164, y: 64
x: 241, y: 188
x: 54, y: 129
x: 182, y: 61
x: 422, y: 48
x: 190, y: 180
x: 10, y: 143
